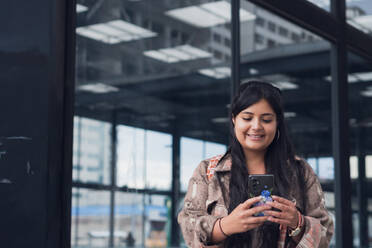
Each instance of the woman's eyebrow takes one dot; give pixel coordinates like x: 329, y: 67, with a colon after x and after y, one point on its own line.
x: 267, y: 114
x: 264, y: 114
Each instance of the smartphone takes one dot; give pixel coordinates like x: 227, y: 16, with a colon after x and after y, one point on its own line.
x: 261, y: 185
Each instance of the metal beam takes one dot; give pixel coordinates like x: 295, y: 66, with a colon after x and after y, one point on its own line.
x: 176, y: 149
x: 124, y: 189
x: 78, y: 163
x: 68, y: 117
x: 113, y: 178
x: 235, y: 46
x: 361, y: 190
x: 93, y: 10
x: 340, y: 130
x: 359, y: 42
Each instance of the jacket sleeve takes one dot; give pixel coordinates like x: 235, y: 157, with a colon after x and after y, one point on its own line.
x: 319, y: 224
x: 196, y: 223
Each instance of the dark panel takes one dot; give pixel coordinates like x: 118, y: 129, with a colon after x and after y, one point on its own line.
x: 23, y: 95
x: 32, y: 96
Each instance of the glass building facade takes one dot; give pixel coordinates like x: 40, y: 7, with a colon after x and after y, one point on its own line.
x: 146, y: 90
x: 163, y: 71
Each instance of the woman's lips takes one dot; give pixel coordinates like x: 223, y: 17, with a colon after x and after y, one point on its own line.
x: 255, y: 137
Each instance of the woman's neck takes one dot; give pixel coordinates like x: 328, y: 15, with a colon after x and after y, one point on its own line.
x: 255, y: 162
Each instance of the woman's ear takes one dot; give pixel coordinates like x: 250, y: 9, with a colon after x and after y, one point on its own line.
x: 233, y: 120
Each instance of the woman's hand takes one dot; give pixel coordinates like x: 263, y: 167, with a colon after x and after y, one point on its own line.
x: 288, y: 214
x: 242, y: 218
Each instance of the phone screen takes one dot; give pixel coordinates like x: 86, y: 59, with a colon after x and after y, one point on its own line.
x: 261, y: 185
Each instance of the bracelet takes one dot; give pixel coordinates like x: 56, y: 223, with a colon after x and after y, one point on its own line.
x: 298, y: 229
x: 219, y: 224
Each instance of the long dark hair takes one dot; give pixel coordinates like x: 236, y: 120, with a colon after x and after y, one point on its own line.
x: 279, y: 160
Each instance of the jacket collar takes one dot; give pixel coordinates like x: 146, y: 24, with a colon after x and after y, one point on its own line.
x: 224, y: 164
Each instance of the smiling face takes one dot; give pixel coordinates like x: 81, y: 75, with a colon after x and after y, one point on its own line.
x: 255, y: 127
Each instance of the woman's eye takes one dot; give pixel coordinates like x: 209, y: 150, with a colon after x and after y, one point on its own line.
x: 247, y: 119
x: 267, y: 121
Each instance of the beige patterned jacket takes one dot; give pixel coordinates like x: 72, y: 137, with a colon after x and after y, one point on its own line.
x: 207, y: 199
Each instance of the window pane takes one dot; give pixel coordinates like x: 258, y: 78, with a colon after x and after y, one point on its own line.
x: 158, y: 160
x: 213, y: 149
x: 129, y: 216
x: 314, y: 164
x: 144, y: 217
x: 324, y: 4
x: 353, y: 167
x: 91, y: 151
x: 269, y: 30
x: 360, y: 99
x: 143, y: 156
x: 191, y: 155
x: 90, y: 218
x: 326, y: 168
x: 193, y: 151
x: 359, y: 14
x: 130, y: 157
x: 369, y: 166
x: 157, y: 221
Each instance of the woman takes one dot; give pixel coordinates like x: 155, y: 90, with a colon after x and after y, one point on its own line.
x: 217, y: 209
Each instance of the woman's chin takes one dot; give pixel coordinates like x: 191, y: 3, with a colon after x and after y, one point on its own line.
x: 255, y: 148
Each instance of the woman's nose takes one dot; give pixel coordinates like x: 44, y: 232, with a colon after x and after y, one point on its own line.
x: 256, y: 124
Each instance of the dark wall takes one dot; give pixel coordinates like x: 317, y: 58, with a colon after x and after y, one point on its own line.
x: 35, y: 124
